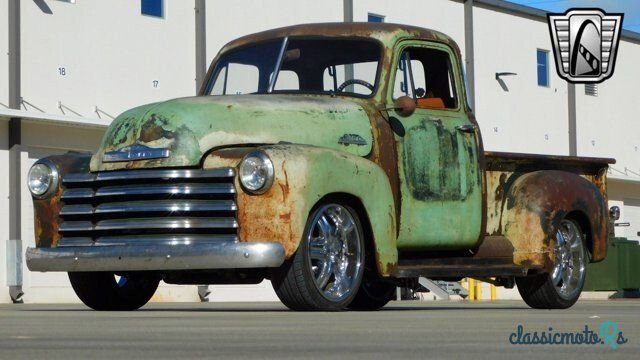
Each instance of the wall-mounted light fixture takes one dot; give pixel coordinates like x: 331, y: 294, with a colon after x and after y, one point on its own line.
x: 498, y: 74
x: 503, y: 85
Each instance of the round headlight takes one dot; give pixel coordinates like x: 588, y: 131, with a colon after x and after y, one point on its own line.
x: 42, y: 179
x: 256, y: 172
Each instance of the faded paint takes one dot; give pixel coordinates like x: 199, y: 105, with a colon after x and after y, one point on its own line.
x: 440, y: 171
x: 190, y: 127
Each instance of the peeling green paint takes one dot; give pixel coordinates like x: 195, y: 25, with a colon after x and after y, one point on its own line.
x: 190, y: 127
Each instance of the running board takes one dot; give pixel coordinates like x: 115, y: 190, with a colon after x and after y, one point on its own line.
x: 458, y: 267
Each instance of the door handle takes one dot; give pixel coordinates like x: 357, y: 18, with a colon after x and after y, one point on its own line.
x: 468, y: 128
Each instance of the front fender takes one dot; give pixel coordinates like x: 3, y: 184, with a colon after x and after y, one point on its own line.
x: 535, y: 205
x: 46, y: 211
x: 304, y: 175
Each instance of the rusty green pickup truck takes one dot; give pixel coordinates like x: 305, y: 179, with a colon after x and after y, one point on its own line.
x: 338, y: 161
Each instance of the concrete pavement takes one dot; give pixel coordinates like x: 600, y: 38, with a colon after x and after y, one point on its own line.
x: 401, y: 330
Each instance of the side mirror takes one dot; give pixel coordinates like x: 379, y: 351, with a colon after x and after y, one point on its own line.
x: 614, y: 213
x: 404, y: 106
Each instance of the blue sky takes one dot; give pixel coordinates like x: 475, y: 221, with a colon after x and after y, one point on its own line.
x: 630, y: 8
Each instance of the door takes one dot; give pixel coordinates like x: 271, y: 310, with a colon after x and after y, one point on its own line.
x: 438, y: 165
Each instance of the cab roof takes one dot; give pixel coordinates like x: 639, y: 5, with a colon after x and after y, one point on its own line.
x: 387, y: 33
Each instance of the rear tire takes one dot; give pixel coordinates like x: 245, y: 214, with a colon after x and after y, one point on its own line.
x: 102, y: 291
x: 561, y: 288
x: 325, y: 272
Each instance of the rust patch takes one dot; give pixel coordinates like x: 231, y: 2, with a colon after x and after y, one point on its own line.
x: 384, y: 153
x: 265, y: 217
x: 496, y: 186
x: 46, y: 211
x: 535, y: 206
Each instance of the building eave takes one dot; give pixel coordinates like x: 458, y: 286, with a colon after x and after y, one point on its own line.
x: 57, y: 119
x: 539, y: 14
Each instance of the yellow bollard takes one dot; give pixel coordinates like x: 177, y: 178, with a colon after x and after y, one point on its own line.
x: 472, y: 289
x: 493, y: 292
x: 478, y: 290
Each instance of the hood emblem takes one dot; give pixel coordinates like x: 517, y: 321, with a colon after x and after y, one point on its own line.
x: 352, y: 139
x: 136, y: 152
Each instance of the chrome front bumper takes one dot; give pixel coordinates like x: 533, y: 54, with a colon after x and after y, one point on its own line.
x: 199, y: 255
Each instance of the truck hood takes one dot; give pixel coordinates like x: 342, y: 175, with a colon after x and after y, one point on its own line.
x: 190, y: 127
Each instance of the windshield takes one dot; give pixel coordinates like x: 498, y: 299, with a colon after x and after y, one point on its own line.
x: 325, y: 66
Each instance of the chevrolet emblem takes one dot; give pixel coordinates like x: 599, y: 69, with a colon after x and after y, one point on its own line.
x: 136, y: 152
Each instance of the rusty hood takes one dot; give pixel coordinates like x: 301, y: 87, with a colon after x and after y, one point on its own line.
x: 191, y: 127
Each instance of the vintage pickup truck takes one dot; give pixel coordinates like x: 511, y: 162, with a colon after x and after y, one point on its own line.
x: 337, y: 160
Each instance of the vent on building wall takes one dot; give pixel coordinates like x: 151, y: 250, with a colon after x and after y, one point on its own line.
x: 591, y: 89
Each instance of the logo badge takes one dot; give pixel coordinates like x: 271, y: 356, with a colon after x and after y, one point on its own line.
x: 136, y: 152
x: 354, y: 139
x: 585, y: 43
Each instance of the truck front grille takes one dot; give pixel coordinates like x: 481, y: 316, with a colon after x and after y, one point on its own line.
x: 141, y: 206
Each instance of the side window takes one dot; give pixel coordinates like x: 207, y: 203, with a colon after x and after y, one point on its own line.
x: 427, y: 76
x: 236, y: 79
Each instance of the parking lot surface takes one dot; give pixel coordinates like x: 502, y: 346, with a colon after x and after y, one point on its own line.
x: 430, y: 330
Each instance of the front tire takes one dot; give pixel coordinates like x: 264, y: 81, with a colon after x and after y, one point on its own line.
x: 104, y: 292
x: 326, y: 271
x: 561, y: 288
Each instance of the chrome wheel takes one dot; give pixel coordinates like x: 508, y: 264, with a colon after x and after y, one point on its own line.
x: 335, y: 253
x: 325, y: 272
x: 570, y: 261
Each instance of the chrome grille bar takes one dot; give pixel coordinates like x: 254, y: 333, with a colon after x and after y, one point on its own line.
x: 169, y: 223
x: 162, y: 189
x: 166, y: 206
x: 162, y: 239
x: 129, y: 175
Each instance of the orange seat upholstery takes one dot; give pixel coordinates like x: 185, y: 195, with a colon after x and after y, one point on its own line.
x: 431, y: 102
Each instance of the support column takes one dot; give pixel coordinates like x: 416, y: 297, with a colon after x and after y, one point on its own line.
x: 571, y: 106
x: 348, y: 17
x: 14, y: 243
x: 14, y: 54
x: 201, y: 43
x: 468, y: 52
x: 347, y: 6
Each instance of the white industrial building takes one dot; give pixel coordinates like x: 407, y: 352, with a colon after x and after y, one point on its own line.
x: 68, y: 67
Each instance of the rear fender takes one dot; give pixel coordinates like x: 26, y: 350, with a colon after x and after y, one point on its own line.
x: 535, y: 205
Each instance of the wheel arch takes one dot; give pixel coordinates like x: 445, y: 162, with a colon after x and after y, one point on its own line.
x: 585, y: 226
x: 305, y: 175
x: 356, y: 204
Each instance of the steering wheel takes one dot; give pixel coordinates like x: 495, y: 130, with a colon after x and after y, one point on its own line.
x: 354, y: 82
